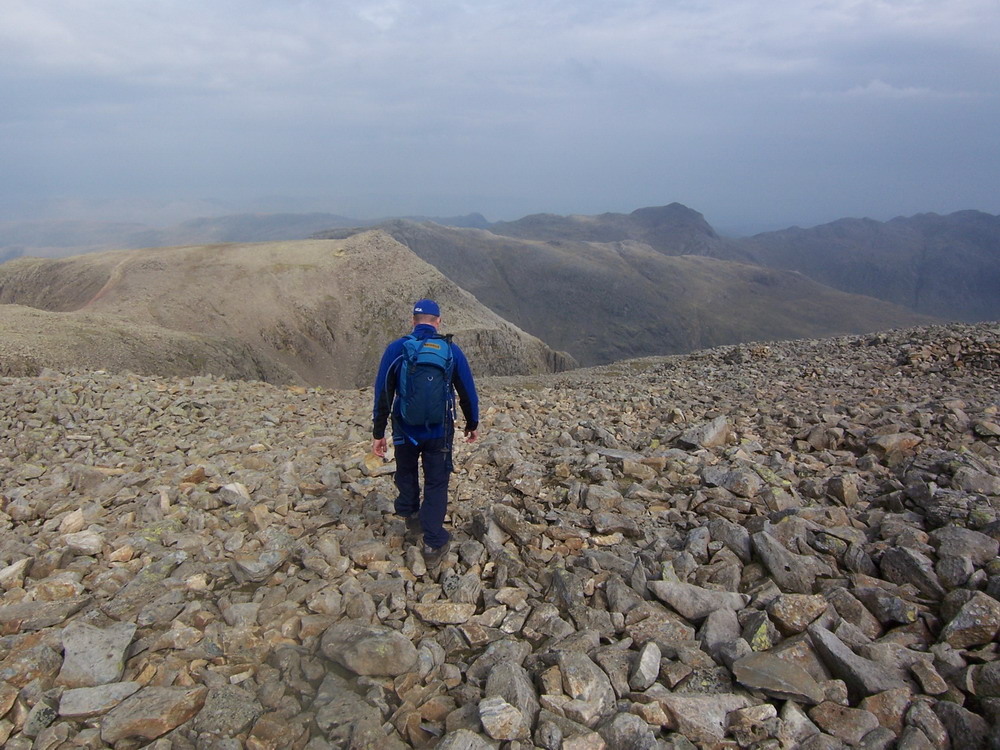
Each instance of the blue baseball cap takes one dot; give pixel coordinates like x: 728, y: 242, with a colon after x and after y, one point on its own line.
x: 427, y: 307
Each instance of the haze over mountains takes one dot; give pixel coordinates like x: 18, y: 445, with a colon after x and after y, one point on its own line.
x: 594, y: 289
x: 63, y: 237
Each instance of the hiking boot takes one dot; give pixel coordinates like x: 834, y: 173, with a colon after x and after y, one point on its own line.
x: 414, y: 530
x: 434, y: 555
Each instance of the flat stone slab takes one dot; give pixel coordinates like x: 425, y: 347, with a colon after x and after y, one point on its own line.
x: 863, y: 676
x: 152, y: 712
x: 778, y: 677
x: 26, y: 616
x: 694, y: 602
x: 444, y: 613
x: 94, y: 656
x: 369, y: 649
x: 85, y: 702
x: 702, y: 718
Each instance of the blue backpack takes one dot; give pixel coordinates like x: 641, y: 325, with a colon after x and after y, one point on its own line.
x: 425, y: 372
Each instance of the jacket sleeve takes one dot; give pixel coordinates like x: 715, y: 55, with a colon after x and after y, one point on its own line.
x: 465, y: 386
x: 385, y: 390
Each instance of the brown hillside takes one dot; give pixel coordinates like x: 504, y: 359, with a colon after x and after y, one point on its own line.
x: 32, y: 339
x: 322, y: 310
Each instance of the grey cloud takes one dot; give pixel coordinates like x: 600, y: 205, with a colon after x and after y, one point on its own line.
x: 777, y: 108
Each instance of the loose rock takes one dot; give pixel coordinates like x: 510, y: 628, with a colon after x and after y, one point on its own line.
x: 773, y: 552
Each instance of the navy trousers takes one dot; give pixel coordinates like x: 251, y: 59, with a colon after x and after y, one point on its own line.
x: 435, y: 456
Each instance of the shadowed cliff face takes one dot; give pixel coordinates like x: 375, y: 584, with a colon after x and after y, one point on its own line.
x: 945, y: 266
x: 317, y: 312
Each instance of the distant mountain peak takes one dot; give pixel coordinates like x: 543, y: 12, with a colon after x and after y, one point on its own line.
x: 672, y: 210
x: 672, y: 215
x: 673, y: 229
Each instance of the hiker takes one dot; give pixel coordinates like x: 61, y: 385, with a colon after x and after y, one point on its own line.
x: 423, y: 423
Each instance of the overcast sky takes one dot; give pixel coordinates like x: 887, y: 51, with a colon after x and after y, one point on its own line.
x: 757, y: 113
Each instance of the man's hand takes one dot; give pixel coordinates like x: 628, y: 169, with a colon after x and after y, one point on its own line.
x: 471, y: 435
x: 379, y: 447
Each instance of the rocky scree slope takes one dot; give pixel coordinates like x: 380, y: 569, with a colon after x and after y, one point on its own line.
x: 790, y: 545
x: 309, y: 312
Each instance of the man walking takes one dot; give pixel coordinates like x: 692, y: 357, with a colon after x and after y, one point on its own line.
x: 416, y: 384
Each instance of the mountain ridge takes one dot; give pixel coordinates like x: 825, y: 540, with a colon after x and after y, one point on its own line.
x: 945, y: 266
x: 658, y: 280
x: 313, y: 307
x: 606, y: 301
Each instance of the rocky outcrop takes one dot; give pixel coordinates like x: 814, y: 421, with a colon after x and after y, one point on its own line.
x: 782, y: 546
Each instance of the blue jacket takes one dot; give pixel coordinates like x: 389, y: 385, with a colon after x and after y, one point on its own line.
x: 386, y: 402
